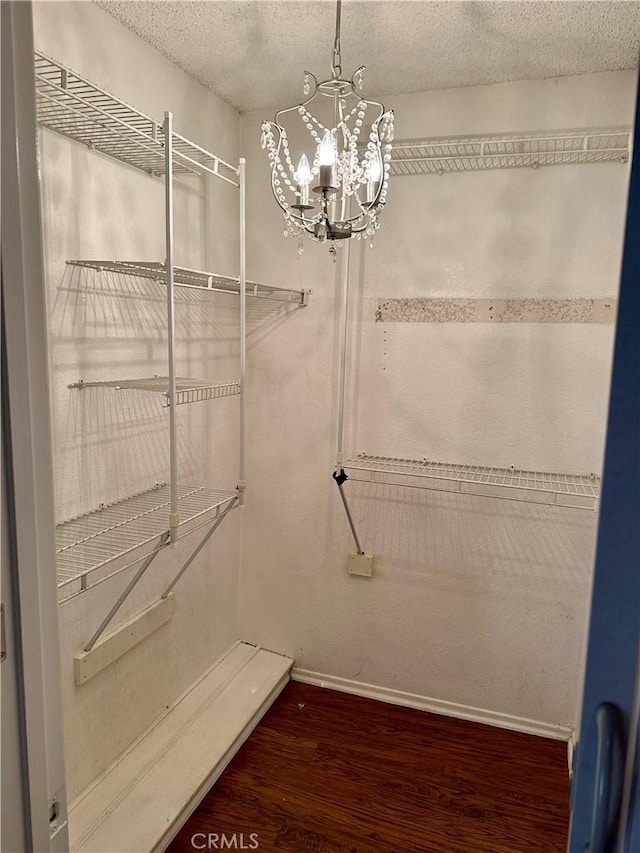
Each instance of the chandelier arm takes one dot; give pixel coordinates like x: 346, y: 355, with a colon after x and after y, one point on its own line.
x: 300, y: 218
x: 318, y: 85
x: 271, y: 184
x: 356, y: 77
x: 295, y: 108
x: 376, y: 104
x: 291, y: 213
x: 309, y: 75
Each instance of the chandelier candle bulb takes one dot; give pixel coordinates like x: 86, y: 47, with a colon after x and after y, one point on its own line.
x: 327, y: 161
x: 303, y: 177
x: 374, y: 174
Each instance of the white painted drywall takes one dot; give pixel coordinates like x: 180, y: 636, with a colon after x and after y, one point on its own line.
x: 474, y: 601
x: 111, y: 444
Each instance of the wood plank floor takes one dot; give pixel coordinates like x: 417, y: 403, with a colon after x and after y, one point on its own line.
x: 331, y: 773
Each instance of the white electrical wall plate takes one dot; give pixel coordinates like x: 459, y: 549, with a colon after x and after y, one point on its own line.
x: 360, y: 564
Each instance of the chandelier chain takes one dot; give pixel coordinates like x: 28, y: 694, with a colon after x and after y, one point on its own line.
x: 336, y: 66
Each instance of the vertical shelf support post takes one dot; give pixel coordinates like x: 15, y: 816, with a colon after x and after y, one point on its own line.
x: 344, y: 336
x: 243, y: 322
x: 339, y: 475
x: 171, y: 328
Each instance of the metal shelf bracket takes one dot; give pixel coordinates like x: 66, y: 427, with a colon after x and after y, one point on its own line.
x: 162, y: 542
x: 340, y: 477
x: 216, y: 524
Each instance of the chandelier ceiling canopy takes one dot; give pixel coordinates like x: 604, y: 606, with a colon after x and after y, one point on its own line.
x: 342, y: 153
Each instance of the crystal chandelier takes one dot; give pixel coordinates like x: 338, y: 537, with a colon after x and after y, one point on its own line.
x: 339, y: 191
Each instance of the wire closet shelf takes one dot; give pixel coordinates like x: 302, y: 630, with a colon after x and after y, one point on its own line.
x: 75, y: 107
x: 479, y: 153
x: 98, y: 545
x: 196, y: 280
x: 577, y: 491
x: 187, y: 390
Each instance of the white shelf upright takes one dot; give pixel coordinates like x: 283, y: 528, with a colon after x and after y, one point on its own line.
x: 171, y: 330
x: 242, y: 172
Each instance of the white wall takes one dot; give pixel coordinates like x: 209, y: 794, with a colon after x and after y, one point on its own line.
x: 474, y: 601
x: 110, y: 444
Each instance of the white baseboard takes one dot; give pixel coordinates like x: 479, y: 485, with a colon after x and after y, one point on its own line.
x: 139, y: 804
x: 435, y: 706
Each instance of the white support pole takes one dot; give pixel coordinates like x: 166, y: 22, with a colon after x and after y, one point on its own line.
x: 344, y: 334
x: 243, y: 323
x: 171, y: 327
x: 339, y: 476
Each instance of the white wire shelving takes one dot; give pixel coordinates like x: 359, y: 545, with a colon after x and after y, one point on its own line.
x: 196, y: 279
x: 578, y: 491
x: 477, y: 153
x: 187, y: 390
x: 131, y: 532
x: 75, y: 107
x: 100, y: 544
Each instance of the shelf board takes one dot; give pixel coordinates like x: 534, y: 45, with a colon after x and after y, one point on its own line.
x: 104, y: 542
x: 141, y: 800
x: 478, y: 153
x: 579, y: 491
x: 187, y: 390
x: 77, y: 108
x: 196, y: 279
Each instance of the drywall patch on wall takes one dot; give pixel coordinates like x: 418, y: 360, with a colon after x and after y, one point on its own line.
x: 420, y: 310
x: 428, y: 310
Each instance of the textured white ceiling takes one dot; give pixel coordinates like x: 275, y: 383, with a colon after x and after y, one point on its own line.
x: 253, y: 52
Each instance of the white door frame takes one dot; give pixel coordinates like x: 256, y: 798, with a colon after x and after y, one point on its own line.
x: 27, y: 449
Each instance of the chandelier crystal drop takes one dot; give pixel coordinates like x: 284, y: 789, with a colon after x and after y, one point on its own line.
x: 337, y: 186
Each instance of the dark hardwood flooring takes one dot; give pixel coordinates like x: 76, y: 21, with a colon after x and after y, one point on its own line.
x: 326, y: 772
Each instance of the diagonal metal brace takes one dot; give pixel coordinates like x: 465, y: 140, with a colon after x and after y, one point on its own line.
x: 197, y: 550
x: 340, y: 477
x: 164, y: 539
